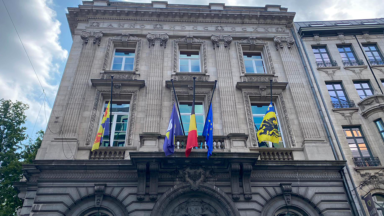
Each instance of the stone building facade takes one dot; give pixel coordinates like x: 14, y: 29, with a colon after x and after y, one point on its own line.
x: 346, y: 66
x: 144, y: 46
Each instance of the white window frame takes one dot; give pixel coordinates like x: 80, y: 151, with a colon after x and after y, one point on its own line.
x: 278, y: 120
x: 123, y: 57
x: 189, y: 114
x: 189, y: 61
x: 253, y: 63
x: 114, y: 122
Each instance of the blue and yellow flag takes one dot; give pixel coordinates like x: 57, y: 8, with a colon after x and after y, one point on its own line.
x: 174, y: 129
x: 208, y: 132
x: 269, y: 129
x: 103, y: 129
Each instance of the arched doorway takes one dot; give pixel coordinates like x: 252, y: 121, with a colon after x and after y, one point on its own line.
x: 97, y: 212
x: 298, y: 206
x: 108, y: 207
x: 205, y: 200
x: 290, y: 211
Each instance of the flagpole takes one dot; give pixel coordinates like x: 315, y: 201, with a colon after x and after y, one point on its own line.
x: 271, y: 89
x: 178, y: 109
x: 193, y: 103
x: 110, y: 114
x: 213, y: 92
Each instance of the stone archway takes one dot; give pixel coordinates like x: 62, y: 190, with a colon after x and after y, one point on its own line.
x: 278, y: 202
x: 110, y: 204
x: 183, y: 199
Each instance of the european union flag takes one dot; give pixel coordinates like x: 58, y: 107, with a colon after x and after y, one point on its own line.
x: 208, y: 132
x: 174, y: 129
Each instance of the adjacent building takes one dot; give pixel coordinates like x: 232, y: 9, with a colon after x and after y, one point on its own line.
x: 320, y: 166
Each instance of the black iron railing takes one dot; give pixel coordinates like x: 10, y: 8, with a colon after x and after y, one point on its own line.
x: 326, y: 64
x: 376, y: 62
x: 366, y: 161
x: 356, y: 62
x: 343, y: 104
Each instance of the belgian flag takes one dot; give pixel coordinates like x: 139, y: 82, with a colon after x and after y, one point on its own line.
x: 192, y: 132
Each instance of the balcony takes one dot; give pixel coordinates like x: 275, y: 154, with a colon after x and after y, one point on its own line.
x: 273, y: 154
x: 107, y: 154
x: 366, y: 161
x: 218, y: 142
x: 343, y: 104
x: 357, y: 62
x: 376, y: 62
x: 326, y: 64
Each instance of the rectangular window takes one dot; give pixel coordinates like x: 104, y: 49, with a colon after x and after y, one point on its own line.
x: 360, y: 151
x: 322, y: 57
x: 338, y: 97
x: 189, y: 61
x: 254, y: 63
x: 258, y: 113
x: 119, y: 119
x: 380, y: 126
x: 373, y: 54
x: 185, y: 112
x: 123, y: 60
x: 363, y: 88
x: 348, y: 56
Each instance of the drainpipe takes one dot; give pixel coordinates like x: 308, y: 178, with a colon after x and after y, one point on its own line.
x: 369, y: 64
x: 346, y: 185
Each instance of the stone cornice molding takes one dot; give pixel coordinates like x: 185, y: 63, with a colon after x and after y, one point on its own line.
x: 226, y: 40
x: 371, y: 105
x: 152, y: 38
x: 86, y: 35
x: 279, y: 42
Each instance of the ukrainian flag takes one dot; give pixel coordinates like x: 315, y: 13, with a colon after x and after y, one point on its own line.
x: 104, y: 128
x: 268, y: 131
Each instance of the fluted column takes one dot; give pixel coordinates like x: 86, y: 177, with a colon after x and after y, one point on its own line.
x: 76, y: 98
x: 157, y: 44
x: 300, y: 92
x: 226, y: 87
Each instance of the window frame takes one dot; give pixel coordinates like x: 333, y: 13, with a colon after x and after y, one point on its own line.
x: 356, y: 142
x: 364, y: 89
x: 253, y: 62
x: 278, y: 121
x: 380, y: 210
x: 371, y: 51
x: 335, y: 90
x: 381, y: 132
x: 124, y: 57
x: 346, y: 53
x: 189, y: 61
x: 186, y: 130
x: 115, y: 120
x: 322, y: 59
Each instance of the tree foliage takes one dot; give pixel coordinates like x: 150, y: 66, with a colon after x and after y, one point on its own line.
x: 12, y: 153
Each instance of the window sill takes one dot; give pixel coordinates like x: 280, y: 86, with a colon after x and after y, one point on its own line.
x: 345, y: 109
x: 188, y: 76
x: 118, y: 71
x: 329, y: 68
x: 369, y: 168
x: 255, y: 77
x: 356, y: 67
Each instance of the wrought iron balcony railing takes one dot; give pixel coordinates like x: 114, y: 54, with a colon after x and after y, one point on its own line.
x: 218, y: 142
x: 326, y: 64
x: 366, y: 161
x: 376, y: 62
x: 343, y: 104
x: 356, y: 62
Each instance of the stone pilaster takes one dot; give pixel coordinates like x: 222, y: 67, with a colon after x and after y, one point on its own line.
x: 225, y: 84
x: 300, y: 92
x: 76, y: 98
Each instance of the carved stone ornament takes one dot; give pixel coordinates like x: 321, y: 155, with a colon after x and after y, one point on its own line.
x: 226, y: 40
x: 99, y: 193
x: 195, y: 176
x: 279, y: 42
x: 373, y: 181
x: 96, y: 37
x: 286, y: 188
x: 316, y: 38
x: 194, y: 207
x: 347, y: 114
x: 341, y: 37
x: 163, y: 38
x: 371, y: 105
x: 157, y: 26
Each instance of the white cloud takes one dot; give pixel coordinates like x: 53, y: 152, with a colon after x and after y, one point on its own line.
x: 39, y: 30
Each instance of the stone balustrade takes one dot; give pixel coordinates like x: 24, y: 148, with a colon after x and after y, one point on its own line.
x: 273, y: 154
x: 107, y: 154
x: 218, y: 142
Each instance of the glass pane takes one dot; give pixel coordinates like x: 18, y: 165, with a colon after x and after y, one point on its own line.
x: 356, y: 132
x: 116, y: 66
x: 184, y: 68
x: 185, y: 108
x: 357, y: 85
x: 118, y: 107
x: 199, y: 108
x: 340, y: 49
x: 323, y: 50
x: 330, y: 86
x: 249, y: 67
x: 355, y: 152
x: 315, y: 50
x: 348, y: 133
x: 184, y: 62
x: 185, y: 118
x: 350, y: 55
x: 119, y: 136
x: 347, y: 48
x: 380, y: 125
x: 257, y: 120
x: 343, y: 55
x: 372, y: 47
x: 200, y: 128
x: 128, y: 67
x: 361, y: 92
x: 257, y: 56
x: 118, y: 60
x: 195, y: 66
x: 365, y: 85
x: 259, y: 109
x: 260, y: 69
x: 337, y: 86
x: 368, y: 92
x: 199, y: 119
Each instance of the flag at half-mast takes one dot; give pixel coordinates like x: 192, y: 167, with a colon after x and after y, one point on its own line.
x: 103, y: 129
x: 174, y: 129
x: 192, y: 132
x: 269, y: 129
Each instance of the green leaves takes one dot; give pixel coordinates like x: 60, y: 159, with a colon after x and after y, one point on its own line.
x: 13, y: 154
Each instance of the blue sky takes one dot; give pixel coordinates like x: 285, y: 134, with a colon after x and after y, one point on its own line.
x: 43, y: 28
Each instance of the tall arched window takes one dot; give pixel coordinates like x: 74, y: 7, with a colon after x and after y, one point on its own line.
x: 379, y: 203
x: 290, y: 211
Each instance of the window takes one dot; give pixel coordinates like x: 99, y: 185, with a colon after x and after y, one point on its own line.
x: 185, y: 112
x: 380, y: 125
x: 359, y: 148
x: 373, y: 54
x: 322, y: 57
x: 363, y: 89
x: 254, y: 63
x: 338, y: 96
x: 258, y: 113
x: 123, y: 60
x: 189, y: 61
x: 348, y: 56
x: 119, y: 119
x: 379, y: 203
x: 290, y: 211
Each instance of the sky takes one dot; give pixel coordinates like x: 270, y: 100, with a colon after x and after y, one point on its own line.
x: 45, y: 36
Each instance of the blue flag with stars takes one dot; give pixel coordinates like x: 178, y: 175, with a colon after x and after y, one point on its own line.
x: 208, y: 131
